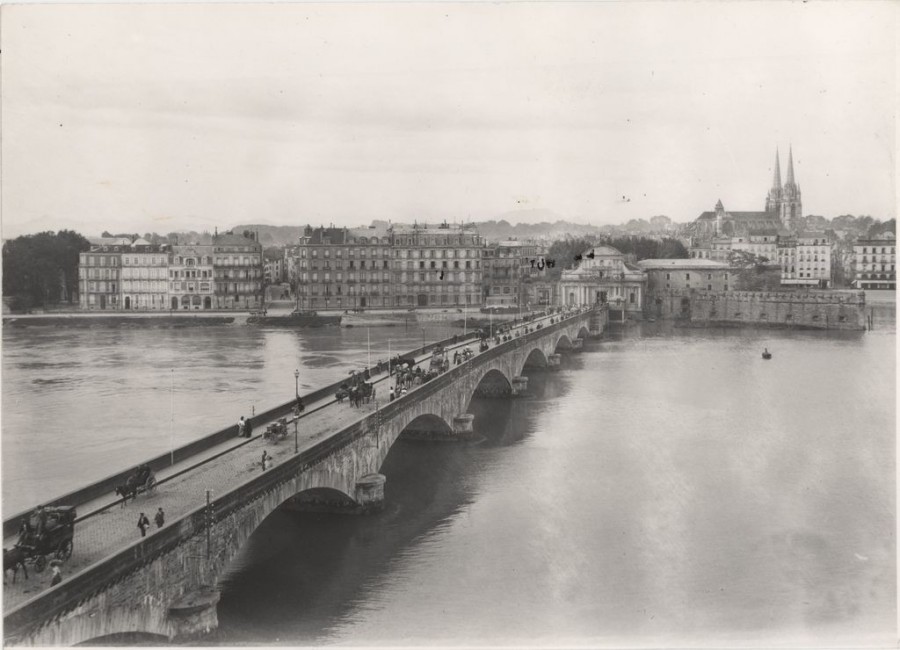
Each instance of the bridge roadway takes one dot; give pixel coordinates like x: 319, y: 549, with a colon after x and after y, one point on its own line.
x: 105, y: 526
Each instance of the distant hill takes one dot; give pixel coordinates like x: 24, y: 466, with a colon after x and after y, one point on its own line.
x: 503, y: 229
x: 273, y: 235
x: 494, y: 230
x: 520, y: 224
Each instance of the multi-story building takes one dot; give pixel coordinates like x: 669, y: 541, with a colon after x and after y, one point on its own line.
x: 291, y: 270
x: 191, y: 283
x: 437, y: 266
x: 98, y: 273
x: 875, y: 263
x: 144, y: 277
x: 509, y: 267
x: 273, y: 269
x: 238, y: 272
x: 341, y: 268
x: 602, y: 276
x: 762, y: 243
x: 388, y: 267
x: 805, y: 259
x: 671, y: 281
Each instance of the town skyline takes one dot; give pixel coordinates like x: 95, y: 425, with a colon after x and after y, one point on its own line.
x: 159, y: 118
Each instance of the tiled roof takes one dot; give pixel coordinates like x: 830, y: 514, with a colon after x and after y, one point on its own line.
x: 740, y: 216
x: 689, y: 263
x: 228, y: 239
x: 770, y: 216
x: 110, y: 241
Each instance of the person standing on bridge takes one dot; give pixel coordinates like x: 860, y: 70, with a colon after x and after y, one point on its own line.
x: 143, y: 524
x: 392, y: 394
x: 160, y: 518
x: 240, y: 426
x: 57, y: 576
x: 248, y: 428
x: 265, y: 460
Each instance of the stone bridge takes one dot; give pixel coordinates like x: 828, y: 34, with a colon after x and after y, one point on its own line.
x: 166, y: 583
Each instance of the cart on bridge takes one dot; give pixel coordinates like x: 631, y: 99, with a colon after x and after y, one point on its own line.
x: 47, y: 532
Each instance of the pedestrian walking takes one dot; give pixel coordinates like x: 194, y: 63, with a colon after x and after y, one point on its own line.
x: 240, y: 426
x: 264, y: 461
x: 143, y: 524
x: 57, y: 575
x: 248, y: 428
x: 160, y: 518
x: 392, y: 394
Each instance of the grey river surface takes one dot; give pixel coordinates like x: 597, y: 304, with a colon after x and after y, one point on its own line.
x: 665, y: 487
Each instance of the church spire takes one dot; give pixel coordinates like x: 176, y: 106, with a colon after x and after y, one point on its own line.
x: 776, y: 180
x: 789, y: 181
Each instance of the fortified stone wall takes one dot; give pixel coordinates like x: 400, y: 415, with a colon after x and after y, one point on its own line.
x: 842, y: 310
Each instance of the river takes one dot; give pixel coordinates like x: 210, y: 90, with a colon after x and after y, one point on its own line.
x: 665, y: 487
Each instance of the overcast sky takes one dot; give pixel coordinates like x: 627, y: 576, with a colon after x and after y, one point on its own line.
x: 177, y: 117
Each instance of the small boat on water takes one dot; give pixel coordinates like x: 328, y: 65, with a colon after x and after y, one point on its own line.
x: 766, y: 354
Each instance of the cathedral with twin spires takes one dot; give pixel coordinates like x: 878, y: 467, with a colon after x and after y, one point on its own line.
x: 783, y: 208
x: 785, y: 200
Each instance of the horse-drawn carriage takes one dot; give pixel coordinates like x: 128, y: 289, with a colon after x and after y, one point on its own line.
x: 276, y: 431
x: 439, y: 360
x: 49, y: 531
x: 362, y: 391
x: 142, y: 479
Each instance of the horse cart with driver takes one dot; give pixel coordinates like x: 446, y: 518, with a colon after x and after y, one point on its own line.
x: 47, y: 532
x: 142, y: 479
x: 276, y: 431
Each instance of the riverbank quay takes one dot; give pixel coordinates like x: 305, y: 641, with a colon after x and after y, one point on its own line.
x: 367, y: 318
x: 181, y: 495
x: 122, y: 320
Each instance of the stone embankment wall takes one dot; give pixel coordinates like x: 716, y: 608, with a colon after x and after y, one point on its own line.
x: 841, y: 310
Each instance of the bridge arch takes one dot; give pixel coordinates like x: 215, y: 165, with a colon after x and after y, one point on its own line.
x: 125, y: 639
x: 111, y: 623
x: 427, y: 426
x: 319, y: 496
x: 535, y: 359
x: 493, y: 383
x: 563, y: 343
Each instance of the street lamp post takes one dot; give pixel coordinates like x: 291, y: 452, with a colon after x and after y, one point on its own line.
x: 297, y: 418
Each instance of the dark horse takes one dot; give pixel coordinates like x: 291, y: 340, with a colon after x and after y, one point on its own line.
x: 127, y: 491
x: 133, y: 483
x: 13, y: 558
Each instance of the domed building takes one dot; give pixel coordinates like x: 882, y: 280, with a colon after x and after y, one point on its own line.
x: 602, y: 276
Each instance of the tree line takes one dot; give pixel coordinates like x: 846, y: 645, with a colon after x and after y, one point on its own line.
x: 635, y: 249
x: 42, y: 269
